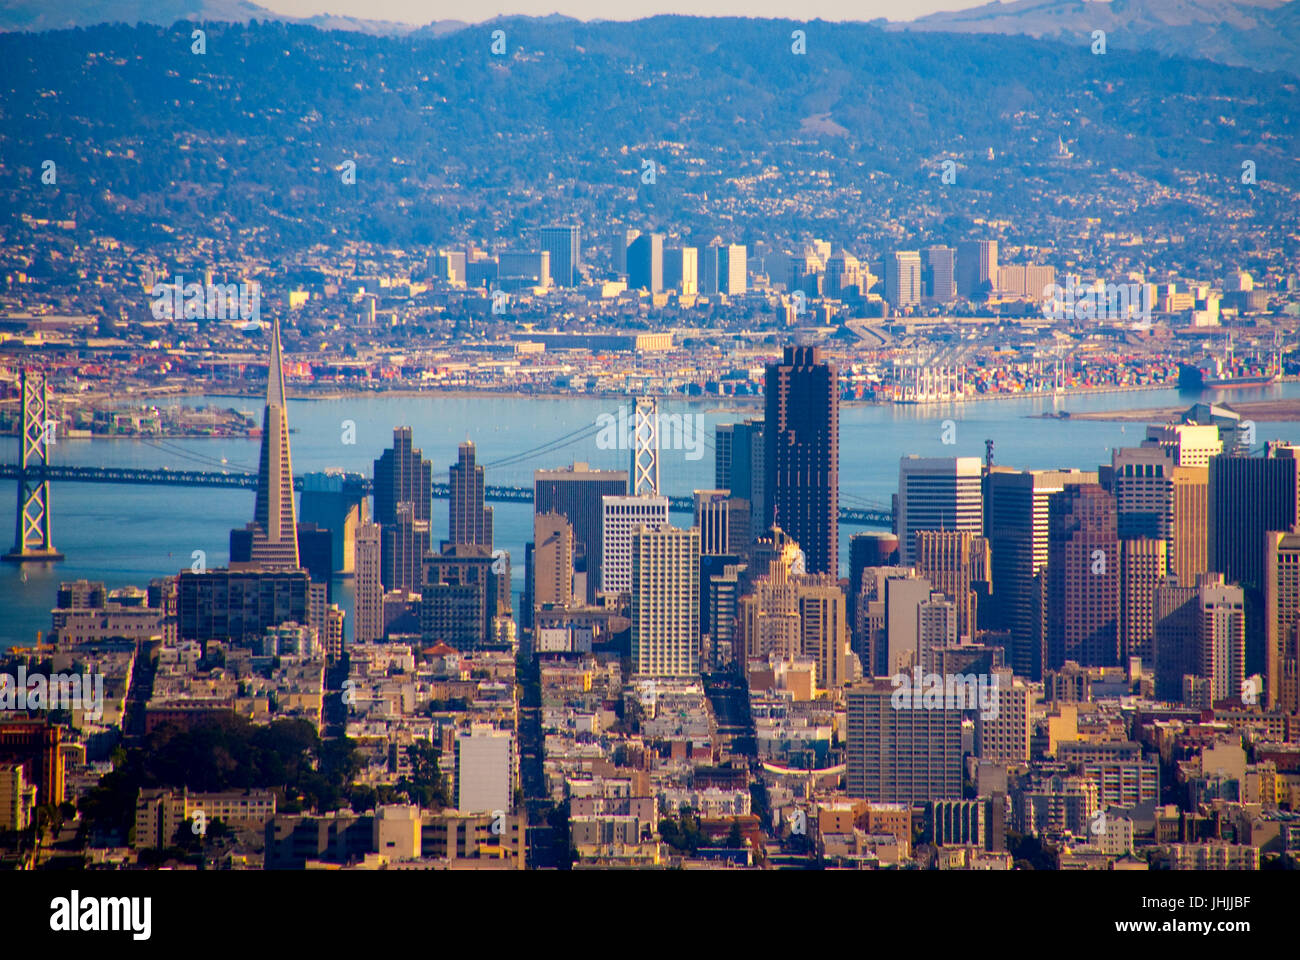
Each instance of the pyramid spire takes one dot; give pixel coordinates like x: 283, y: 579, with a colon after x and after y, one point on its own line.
x: 275, y: 537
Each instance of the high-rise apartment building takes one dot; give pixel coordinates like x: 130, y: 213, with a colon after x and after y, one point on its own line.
x: 621, y: 516
x: 665, y: 588
x: 577, y: 494
x: 909, y: 755
x: 1002, y: 735
x: 802, y: 452
x: 485, y: 770
x: 470, y: 520
x: 937, y: 493
x: 564, y: 244
x: 1083, y: 571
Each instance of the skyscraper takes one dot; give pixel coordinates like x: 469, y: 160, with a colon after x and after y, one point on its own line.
x: 621, y: 516
x: 713, y: 520
x: 1083, y: 570
x: 682, y: 270
x: 403, y: 546
x: 470, y: 521
x: 1249, y: 497
x: 733, y: 275
x: 1015, y: 524
x: 665, y: 588
x: 741, y: 466
x: 936, y: 493
x: 927, y: 769
x: 1142, y: 569
x: 402, y: 475
x: 552, y: 560
x: 645, y: 263
x: 1188, y: 545
x: 948, y: 559
x: 275, y: 523
x: 563, y: 243
x: 802, y: 452
x: 977, y: 267
x: 576, y: 493
x: 368, y: 584
x: 903, y: 278
x: 1282, y: 620
x: 938, y: 274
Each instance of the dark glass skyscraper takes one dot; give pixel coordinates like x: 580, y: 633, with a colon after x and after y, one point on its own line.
x: 802, y: 455
x: 1083, y: 568
x: 470, y: 521
x: 563, y: 242
x: 402, y: 475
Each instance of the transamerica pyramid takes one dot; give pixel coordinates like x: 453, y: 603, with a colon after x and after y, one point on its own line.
x: 275, y: 522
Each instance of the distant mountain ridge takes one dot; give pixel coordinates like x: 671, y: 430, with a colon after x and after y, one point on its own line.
x: 1264, y: 34
x: 1243, y: 33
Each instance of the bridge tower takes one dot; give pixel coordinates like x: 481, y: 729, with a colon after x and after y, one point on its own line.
x: 32, y: 530
x: 645, y: 447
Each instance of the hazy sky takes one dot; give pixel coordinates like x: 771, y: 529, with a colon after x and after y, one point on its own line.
x: 423, y: 11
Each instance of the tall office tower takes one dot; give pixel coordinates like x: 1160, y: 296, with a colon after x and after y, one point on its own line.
x: 1223, y: 637
x: 802, y: 446
x: 903, y: 278
x: 645, y: 263
x: 977, y: 267
x: 552, y: 560
x: 843, y: 275
x: 402, y: 475
x: 274, y: 530
x: 1282, y: 620
x: 1142, y: 569
x: 1188, y: 444
x: 936, y: 628
x: 485, y: 769
x: 403, y: 545
x: 937, y: 493
x: 621, y: 516
x: 564, y: 244
x: 576, y: 493
x: 880, y: 768
x: 824, y: 628
x: 1143, y: 484
x: 720, y: 589
x: 903, y: 598
x: 948, y: 559
x: 1249, y: 497
x: 1176, y: 636
x: 682, y: 270
x: 767, y: 615
x: 622, y: 239
x: 665, y: 601
x: 523, y: 268
x: 1015, y: 524
x: 713, y: 520
x: 470, y: 521
x: 1083, y: 570
x: 865, y: 550
x: 741, y: 466
x: 733, y: 269
x: 1002, y: 735
x: 939, y: 276
x: 1187, y: 546
x: 369, y: 584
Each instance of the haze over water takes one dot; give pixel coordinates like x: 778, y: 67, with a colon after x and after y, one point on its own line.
x: 126, y: 534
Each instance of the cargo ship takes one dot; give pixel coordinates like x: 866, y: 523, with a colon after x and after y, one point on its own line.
x: 1225, y: 372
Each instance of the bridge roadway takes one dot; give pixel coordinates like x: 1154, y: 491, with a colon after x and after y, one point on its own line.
x: 854, y: 516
